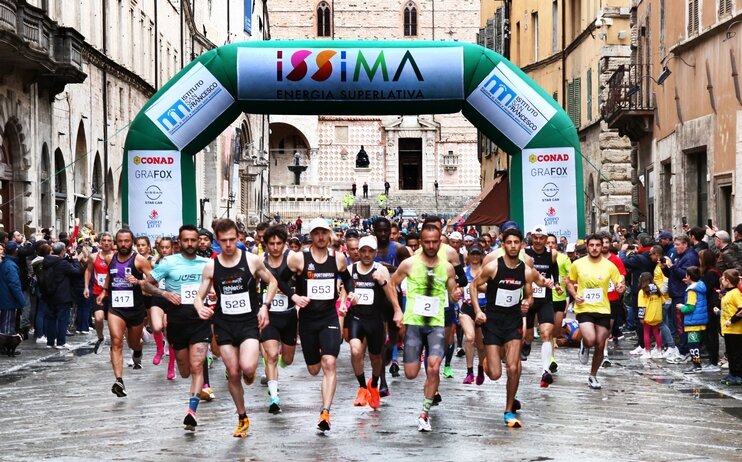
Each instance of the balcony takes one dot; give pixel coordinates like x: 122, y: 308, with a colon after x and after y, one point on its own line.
x: 629, y: 107
x: 300, y: 193
x: 38, y: 48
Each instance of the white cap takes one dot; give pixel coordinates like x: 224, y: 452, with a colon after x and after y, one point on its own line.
x: 571, y: 247
x: 367, y: 241
x: 455, y: 235
x: 318, y: 223
x: 539, y: 231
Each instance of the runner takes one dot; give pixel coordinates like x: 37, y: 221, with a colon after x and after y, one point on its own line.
x: 187, y: 333
x: 278, y: 339
x: 366, y: 322
x: 545, y: 262
x: 559, y: 299
x: 238, y: 316
x: 509, y: 296
x: 157, y: 318
x: 317, y: 268
x: 588, y: 283
x: 472, y: 332
x: 126, y: 309
x: 428, y: 277
x: 97, y: 269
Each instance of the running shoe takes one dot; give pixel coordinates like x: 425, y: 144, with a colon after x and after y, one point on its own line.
x: 732, y: 380
x: 42, y: 340
x: 693, y: 369
x: 525, y: 350
x: 209, y: 361
x: 516, y: 405
x: 710, y: 368
x: 437, y: 398
x: 671, y: 352
x: 646, y: 354
x: 281, y: 363
x: 394, y: 369
x: 469, y: 379
x: 137, y: 362
x: 189, y: 423
x: 546, y: 379
x: 384, y: 391
x: 637, y: 351
x: 207, y: 394
x: 553, y: 367
x: 171, y: 371
x: 361, y: 397
x: 448, y: 372
x: 674, y: 358
x: 723, y: 363
x: 324, y: 421
x: 511, y: 420
x: 374, y: 398
x: 264, y: 381
x: 460, y: 353
x: 98, y: 344
x: 606, y: 362
x: 275, y: 405
x: 656, y: 353
x: 157, y: 359
x: 118, y: 389
x: 480, y: 377
x: 423, y: 423
x: 593, y: 383
x: 584, y: 353
x: 241, y: 430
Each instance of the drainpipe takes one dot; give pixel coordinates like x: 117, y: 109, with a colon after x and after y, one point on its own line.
x: 104, y: 193
x: 156, y: 51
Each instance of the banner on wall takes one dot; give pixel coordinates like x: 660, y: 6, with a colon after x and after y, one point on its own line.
x: 248, y: 16
x: 155, y: 194
x: 550, y: 178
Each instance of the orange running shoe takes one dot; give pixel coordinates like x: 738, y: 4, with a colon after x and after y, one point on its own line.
x: 362, y: 398
x: 374, y: 398
x: 324, y: 421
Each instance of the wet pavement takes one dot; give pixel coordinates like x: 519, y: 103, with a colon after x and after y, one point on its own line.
x: 58, y: 405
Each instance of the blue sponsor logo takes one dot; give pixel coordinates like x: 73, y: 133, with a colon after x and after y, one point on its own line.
x: 498, y: 91
x: 175, y: 115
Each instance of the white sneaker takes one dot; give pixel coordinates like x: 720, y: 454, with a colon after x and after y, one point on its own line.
x: 66, y: 346
x: 710, y: 368
x: 593, y: 383
x: 41, y: 339
x: 423, y: 424
x: 637, y: 351
x: 646, y: 355
x: 656, y: 354
x: 670, y: 352
x: 674, y: 359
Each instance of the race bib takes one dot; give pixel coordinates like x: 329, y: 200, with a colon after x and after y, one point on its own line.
x: 365, y: 296
x: 611, y: 287
x: 122, y: 299
x: 279, y: 303
x: 507, y: 298
x: 320, y: 289
x: 188, y: 293
x: 467, y: 294
x: 592, y: 295
x: 426, y: 306
x: 539, y: 292
x: 236, y: 303
x: 100, y: 279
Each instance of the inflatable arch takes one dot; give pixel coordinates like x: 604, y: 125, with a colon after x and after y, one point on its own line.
x: 353, y: 78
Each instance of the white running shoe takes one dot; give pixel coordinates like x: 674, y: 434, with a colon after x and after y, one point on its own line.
x: 423, y: 424
x: 656, y: 354
x: 637, y: 351
x: 646, y: 355
x: 671, y: 352
x: 41, y: 339
x: 593, y: 383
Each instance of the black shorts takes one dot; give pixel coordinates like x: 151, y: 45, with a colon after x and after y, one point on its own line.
x: 451, y: 316
x: 545, y: 312
x: 96, y: 307
x: 233, y: 333
x: 159, y: 302
x: 370, y: 328
x: 387, y: 311
x: 181, y: 335
x: 468, y: 310
x: 131, y: 316
x: 320, y: 335
x: 282, y: 327
x: 502, y: 327
x: 560, y: 306
x: 617, y: 309
x: 599, y: 319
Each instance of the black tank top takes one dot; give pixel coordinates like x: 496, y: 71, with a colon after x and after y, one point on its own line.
x: 370, y: 294
x: 317, y: 281
x: 237, y: 296
x: 278, y: 300
x: 542, y: 263
x: 505, y: 291
x: 125, y: 296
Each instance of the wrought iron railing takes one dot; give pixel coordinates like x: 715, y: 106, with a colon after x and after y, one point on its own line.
x: 629, y: 88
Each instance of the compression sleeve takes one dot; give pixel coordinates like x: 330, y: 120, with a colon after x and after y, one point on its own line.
x: 461, y: 279
x: 347, y: 281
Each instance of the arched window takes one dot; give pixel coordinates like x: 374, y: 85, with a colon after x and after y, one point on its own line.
x: 410, y: 20
x: 323, y: 20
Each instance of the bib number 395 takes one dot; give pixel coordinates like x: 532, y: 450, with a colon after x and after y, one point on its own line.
x: 188, y: 294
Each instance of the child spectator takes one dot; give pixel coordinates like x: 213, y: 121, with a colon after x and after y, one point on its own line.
x: 731, y: 327
x: 649, y: 302
x: 696, y: 315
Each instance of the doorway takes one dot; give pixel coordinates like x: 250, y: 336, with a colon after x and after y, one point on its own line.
x: 410, y: 163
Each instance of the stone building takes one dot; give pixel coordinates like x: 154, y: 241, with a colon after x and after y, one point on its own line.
x: 571, y: 48
x: 77, y: 73
x: 679, y: 101
x: 410, y: 152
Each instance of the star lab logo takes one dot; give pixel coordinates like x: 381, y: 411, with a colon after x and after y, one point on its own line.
x: 551, y: 218
x: 550, y: 190
x: 154, y: 220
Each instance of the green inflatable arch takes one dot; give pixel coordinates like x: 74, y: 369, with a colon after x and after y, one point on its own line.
x: 352, y: 78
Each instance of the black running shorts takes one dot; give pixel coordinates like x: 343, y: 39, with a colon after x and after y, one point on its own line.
x: 131, y: 316
x: 545, y: 312
x: 282, y: 327
x: 369, y: 328
x: 183, y: 335
x: 599, y: 319
x: 502, y: 327
x: 320, y: 335
x: 233, y: 333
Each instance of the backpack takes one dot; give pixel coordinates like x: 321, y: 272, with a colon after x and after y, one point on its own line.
x: 46, y: 283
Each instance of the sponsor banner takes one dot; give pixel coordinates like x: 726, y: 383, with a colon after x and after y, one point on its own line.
x: 350, y: 74
x: 511, y: 105
x: 248, y: 16
x: 155, y: 193
x: 550, y: 178
x: 188, y: 107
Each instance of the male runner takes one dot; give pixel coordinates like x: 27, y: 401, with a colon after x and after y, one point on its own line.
x: 188, y: 334
x: 545, y: 262
x: 589, y: 279
x: 126, y: 309
x: 278, y: 339
x: 238, y: 315
x: 509, y: 296
x: 428, y: 277
x: 559, y: 300
x: 316, y: 269
x: 97, y: 268
x: 366, y: 322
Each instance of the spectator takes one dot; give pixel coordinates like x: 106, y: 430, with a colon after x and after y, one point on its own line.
x: 696, y: 235
x: 26, y: 253
x: 727, y: 255
x: 42, y: 250
x: 711, y: 276
x: 731, y: 315
x: 660, y: 280
x: 11, y: 294
x: 665, y: 240
x: 435, y: 186
x: 636, y: 261
x: 298, y: 225
x: 354, y: 188
x: 695, y: 316
x: 676, y: 268
x: 738, y: 238
x: 387, y: 186
x: 365, y: 190
x: 59, y: 305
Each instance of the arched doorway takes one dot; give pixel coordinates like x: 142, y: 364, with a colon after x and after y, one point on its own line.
x: 12, y: 206
x: 96, y: 193
x: 285, y: 142
x: 60, y: 192
x: 81, y: 177
x: 47, y: 199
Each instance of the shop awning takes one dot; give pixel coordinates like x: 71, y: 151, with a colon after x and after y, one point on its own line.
x: 494, y: 208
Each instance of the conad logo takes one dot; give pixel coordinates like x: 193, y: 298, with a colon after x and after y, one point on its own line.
x: 533, y: 158
x: 153, y: 160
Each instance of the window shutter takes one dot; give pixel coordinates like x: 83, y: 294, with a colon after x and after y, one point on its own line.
x: 589, y: 94
x: 578, y: 101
